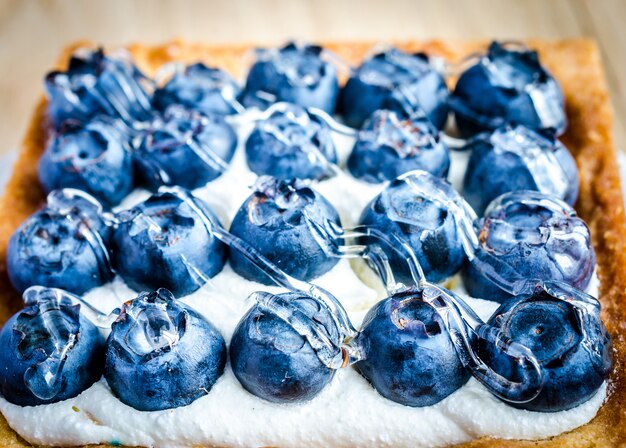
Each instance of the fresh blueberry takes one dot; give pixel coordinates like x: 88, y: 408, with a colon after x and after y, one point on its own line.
x: 95, y: 84
x: 49, y: 351
x: 161, y: 354
x: 205, y: 89
x: 277, y: 221
x: 290, y: 144
x: 272, y: 359
x: 507, y: 85
x: 408, y: 355
x: 415, y: 218
x: 64, y: 245
x: 184, y: 148
x: 164, y: 243
x: 406, y: 83
x: 298, y: 74
x: 573, y: 348
x: 70, y: 200
x: 529, y: 235
x: 517, y: 158
x: 389, y: 145
x: 94, y: 157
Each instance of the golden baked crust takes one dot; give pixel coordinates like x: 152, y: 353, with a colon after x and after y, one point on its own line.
x: 575, y: 63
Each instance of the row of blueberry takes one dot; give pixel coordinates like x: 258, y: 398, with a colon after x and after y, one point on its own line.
x: 180, y: 137
x: 161, y: 354
x: 414, y: 347
x: 158, y: 243
x: 505, y: 85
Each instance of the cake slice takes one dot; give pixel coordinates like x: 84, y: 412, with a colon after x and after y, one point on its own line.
x: 575, y: 64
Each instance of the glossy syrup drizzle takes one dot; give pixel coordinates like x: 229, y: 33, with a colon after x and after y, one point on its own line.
x: 58, y: 320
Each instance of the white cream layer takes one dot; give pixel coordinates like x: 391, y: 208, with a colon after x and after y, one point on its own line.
x: 347, y: 413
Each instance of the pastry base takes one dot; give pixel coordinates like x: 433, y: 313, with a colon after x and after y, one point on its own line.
x: 575, y: 63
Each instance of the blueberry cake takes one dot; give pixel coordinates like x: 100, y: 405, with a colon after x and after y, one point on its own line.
x: 420, y: 244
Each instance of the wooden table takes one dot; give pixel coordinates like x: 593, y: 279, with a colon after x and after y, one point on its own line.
x: 32, y: 32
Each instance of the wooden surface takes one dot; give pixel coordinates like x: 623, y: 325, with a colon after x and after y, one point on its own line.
x: 33, y: 32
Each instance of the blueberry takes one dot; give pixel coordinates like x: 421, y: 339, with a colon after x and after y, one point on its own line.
x: 205, y: 89
x: 161, y: 354
x: 389, y: 145
x: 184, y: 148
x: 49, y: 351
x: 298, y: 74
x: 517, y: 158
x: 507, y: 85
x: 62, y: 246
x: 408, y: 355
x: 291, y: 143
x: 276, y: 221
x: 406, y: 83
x: 529, y: 235
x: 70, y: 200
x: 163, y: 243
x: 93, y: 157
x: 426, y: 225
x: 575, y: 352
x: 272, y: 359
x: 96, y: 84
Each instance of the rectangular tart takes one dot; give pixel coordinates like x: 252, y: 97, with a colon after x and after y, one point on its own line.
x: 576, y: 65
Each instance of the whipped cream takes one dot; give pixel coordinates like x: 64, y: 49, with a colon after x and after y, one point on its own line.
x: 347, y: 413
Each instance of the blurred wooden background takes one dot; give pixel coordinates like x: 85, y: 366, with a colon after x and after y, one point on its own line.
x: 32, y: 32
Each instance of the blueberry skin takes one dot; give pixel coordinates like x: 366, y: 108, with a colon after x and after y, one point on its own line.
x: 163, y: 243
x: 94, y: 158
x: 430, y: 230
x: 551, y: 329
x: 517, y: 158
x: 295, y: 74
x: 273, y: 361
x: 71, y: 201
x: 408, y: 355
x: 403, y: 82
x: 167, y: 153
x: 534, y: 242
x: 25, y: 342
x: 507, y: 86
x: 95, y: 84
x: 200, y: 88
x: 291, y: 144
x: 51, y: 250
x: 152, y: 376
x: 272, y: 220
x: 389, y: 146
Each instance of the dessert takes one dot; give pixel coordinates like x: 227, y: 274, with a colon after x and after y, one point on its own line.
x: 381, y: 404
